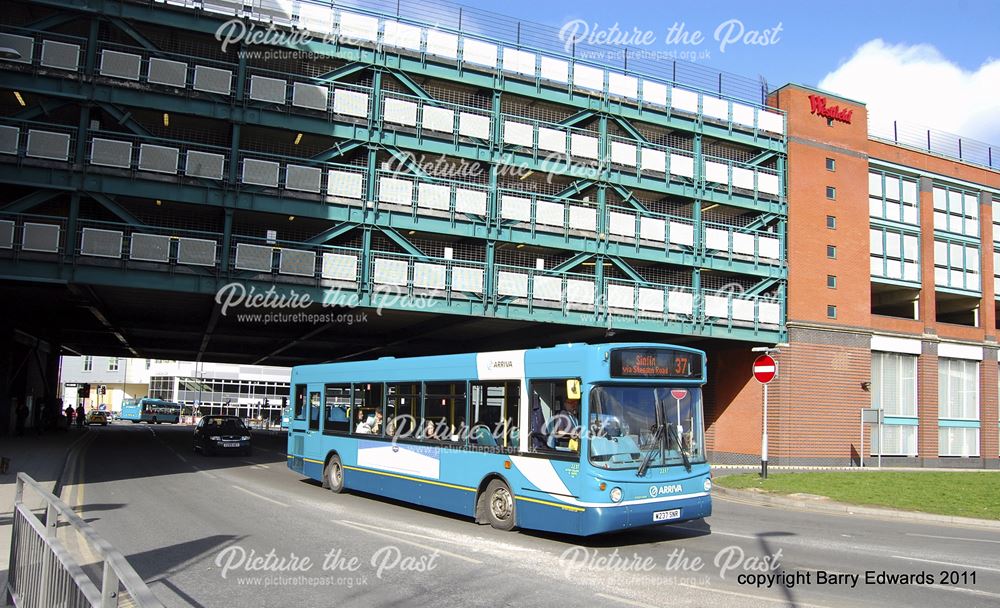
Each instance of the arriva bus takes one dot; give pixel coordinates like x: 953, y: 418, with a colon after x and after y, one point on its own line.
x: 578, y: 439
x: 153, y: 411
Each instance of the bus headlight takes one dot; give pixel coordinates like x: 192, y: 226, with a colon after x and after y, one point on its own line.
x: 708, y: 485
x: 616, y: 494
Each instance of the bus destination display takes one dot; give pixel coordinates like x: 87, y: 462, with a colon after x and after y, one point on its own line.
x: 654, y: 363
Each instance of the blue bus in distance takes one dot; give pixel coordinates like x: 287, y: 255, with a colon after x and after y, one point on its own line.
x: 152, y: 411
x: 576, y: 439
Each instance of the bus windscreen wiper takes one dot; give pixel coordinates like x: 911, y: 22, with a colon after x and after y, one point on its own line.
x: 657, y: 439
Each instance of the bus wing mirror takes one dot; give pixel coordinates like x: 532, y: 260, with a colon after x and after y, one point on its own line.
x: 573, y: 389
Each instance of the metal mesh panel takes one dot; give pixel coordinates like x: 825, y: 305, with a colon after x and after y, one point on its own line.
x: 253, y: 257
x: 297, y: 262
x: 60, y: 55
x: 306, y: 179
x: 22, y: 44
x: 351, y: 103
x: 8, y: 138
x: 391, y: 272
x: 340, y: 266
x: 101, y: 243
x: 111, y: 153
x: 40, y: 237
x: 310, y: 96
x: 429, y: 276
x: 464, y: 278
x: 150, y: 247
x: 158, y: 158
x: 204, y: 164
x: 197, y: 252
x: 223, y: 7
x: 164, y: 71
x: 120, y: 65
x: 260, y: 172
x: 44, y: 144
x: 267, y: 89
x: 212, y: 80
x: 343, y: 183
x: 6, y: 234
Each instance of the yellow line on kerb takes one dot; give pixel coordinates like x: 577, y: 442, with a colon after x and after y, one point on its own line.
x: 552, y: 504
x: 417, y: 479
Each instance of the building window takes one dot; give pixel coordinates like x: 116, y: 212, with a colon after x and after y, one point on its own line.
x: 88, y: 363
x: 831, y: 281
x: 956, y: 211
x: 831, y: 311
x: 831, y: 252
x: 113, y: 364
x: 956, y: 265
x: 831, y: 193
x: 894, y: 254
x: 831, y: 164
x: 829, y: 122
x: 958, y: 407
x: 894, y: 390
x: 831, y: 222
x: 893, y: 197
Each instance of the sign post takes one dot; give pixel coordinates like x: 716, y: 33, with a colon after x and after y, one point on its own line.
x: 764, y: 370
x: 678, y: 394
x: 872, y: 415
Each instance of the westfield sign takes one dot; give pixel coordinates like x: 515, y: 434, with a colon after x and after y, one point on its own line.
x: 818, y: 106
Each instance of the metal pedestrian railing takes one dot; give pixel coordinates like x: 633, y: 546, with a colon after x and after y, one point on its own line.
x: 44, y: 574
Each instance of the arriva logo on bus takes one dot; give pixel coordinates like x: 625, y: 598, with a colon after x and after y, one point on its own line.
x: 655, y: 491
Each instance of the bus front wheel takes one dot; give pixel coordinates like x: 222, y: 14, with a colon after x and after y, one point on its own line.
x: 500, y: 505
x: 334, y: 475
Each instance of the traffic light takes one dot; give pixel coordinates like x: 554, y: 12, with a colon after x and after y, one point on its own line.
x: 83, y: 391
x: 102, y: 390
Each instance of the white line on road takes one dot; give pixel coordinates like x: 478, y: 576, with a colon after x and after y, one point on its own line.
x: 972, y: 591
x: 363, y: 528
x: 931, y: 561
x: 747, y: 536
x: 624, y: 601
x: 277, y: 502
x: 971, y: 540
x: 752, y: 596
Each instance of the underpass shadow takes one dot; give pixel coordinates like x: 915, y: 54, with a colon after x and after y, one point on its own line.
x: 144, y: 451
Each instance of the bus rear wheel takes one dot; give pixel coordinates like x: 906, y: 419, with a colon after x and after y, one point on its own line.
x: 500, y: 505
x: 334, y: 475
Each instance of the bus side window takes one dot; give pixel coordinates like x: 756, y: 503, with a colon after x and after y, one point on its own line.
x: 547, y: 400
x: 402, y: 409
x: 300, y: 401
x: 335, y: 405
x: 314, y: 409
x: 444, y: 411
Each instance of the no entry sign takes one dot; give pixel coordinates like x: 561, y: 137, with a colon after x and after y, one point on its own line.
x: 678, y: 393
x: 764, y: 369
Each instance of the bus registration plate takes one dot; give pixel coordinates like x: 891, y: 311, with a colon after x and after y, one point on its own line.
x: 666, y: 515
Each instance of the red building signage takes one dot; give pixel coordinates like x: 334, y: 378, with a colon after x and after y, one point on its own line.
x: 818, y: 106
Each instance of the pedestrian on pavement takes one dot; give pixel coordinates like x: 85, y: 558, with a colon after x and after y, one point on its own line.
x: 22, y: 417
x: 69, y: 417
x: 81, y: 414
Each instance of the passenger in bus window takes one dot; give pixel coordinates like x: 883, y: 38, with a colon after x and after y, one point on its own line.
x: 376, y: 424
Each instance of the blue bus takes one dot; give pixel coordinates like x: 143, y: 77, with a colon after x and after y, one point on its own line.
x: 152, y: 411
x: 577, y: 439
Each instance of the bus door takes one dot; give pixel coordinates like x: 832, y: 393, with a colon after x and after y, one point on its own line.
x: 297, y: 425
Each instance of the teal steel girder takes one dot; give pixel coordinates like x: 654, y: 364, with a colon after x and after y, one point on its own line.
x: 47, y: 23
x: 341, y: 149
x: 412, y: 85
x: 579, y: 117
x: 402, y: 241
x: 572, y: 262
x: 209, y: 25
x: 628, y: 128
x: 343, y: 72
x: 124, y: 118
x: 361, y: 133
x: 131, y: 32
x: 76, y: 273
x: 234, y: 198
x: 628, y: 270
x: 762, y: 286
x: 328, y: 235
x: 111, y: 205
x: 628, y: 197
x: 30, y: 200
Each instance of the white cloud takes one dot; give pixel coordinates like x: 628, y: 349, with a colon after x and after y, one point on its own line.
x: 917, y: 84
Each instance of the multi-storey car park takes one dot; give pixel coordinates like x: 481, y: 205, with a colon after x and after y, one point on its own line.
x: 467, y: 191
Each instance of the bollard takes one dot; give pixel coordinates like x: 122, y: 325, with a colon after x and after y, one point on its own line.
x: 4, y: 465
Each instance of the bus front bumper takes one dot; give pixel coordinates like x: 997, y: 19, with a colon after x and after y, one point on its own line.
x: 637, y: 515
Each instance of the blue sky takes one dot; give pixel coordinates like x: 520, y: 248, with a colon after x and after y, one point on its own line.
x: 923, y: 42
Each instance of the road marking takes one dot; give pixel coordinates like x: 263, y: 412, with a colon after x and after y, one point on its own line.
x: 277, y: 502
x: 623, y: 600
x: 973, y: 540
x: 931, y: 561
x: 363, y: 528
x: 747, y: 536
x: 751, y: 596
x: 256, y: 465
x: 972, y: 591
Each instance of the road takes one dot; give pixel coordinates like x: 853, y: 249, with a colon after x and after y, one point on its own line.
x: 199, y: 530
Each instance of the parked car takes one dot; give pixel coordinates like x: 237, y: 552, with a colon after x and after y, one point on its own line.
x: 97, y: 417
x: 222, y: 434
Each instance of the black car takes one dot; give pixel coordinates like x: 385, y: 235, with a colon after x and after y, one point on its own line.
x: 222, y: 434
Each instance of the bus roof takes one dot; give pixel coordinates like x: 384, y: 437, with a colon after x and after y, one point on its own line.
x: 578, y: 359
